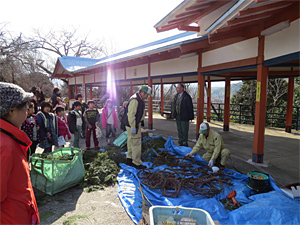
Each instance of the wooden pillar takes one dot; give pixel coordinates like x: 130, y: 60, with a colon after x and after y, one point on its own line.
x: 227, y: 105
x: 131, y: 89
x: 200, y: 99
x: 150, y: 102
x: 91, y: 92
x: 69, y: 95
x: 76, y: 89
x: 208, y: 99
x: 161, y: 97
x: 261, y: 105
x: 289, y: 108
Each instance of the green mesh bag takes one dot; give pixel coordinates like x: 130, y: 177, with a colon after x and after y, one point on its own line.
x: 57, y: 171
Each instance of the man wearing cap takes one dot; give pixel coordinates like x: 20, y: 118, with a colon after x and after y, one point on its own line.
x: 183, y: 112
x: 133, y: 117
x: 212, y: 142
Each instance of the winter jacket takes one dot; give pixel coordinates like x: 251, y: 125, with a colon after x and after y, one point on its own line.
x: 212, y: 144
x: 105, y: 117
x: 47, y: 122
x: 72, y: 120
x: 18, y: 204
x: 134, y: 112
x: 186, y: 110
x: 63, y: 128
x: 28, y: 126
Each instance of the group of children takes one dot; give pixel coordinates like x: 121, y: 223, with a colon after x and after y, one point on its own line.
x: 47, y: 129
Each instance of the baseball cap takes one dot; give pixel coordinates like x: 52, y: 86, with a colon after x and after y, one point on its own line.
x: 203, y: 128
x: 146, y: 89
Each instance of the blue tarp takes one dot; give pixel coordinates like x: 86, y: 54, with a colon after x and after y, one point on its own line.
x: 274, y: 207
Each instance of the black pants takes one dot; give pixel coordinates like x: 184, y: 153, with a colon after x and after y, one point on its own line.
x: 110, y: 130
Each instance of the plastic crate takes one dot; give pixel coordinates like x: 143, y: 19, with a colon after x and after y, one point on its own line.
x: 121, y: 141
x: 167, y: 215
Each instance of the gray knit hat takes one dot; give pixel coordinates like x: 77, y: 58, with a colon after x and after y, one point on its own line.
x: 11, y: 95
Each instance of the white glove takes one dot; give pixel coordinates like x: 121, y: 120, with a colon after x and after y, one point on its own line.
x: 211, y: 163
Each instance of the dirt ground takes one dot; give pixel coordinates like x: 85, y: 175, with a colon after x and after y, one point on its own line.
x: 74, y: 206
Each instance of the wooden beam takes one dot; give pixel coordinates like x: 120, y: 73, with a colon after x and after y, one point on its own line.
x: 241, y: 25
x: 291, y: 13
x: 247, y: 32
x: 255, y: 16
x: 238, y: 63
x: 194, y: 47
x: 188, y: 13
x: 199, y: 6
x: 263, y: 7
x: 189, y: 28
x: 166, y: 27
x: 259, y: 1
x: 211, y: 8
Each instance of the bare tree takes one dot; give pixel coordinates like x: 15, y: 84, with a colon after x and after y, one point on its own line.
x: 64, y: 43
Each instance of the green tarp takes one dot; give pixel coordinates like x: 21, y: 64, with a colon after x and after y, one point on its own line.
x: 50, y: 173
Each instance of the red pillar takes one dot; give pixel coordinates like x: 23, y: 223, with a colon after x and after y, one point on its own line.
x: 289, y: 108
x: 200, y: 99
x: 260, y: 106
x: 150, y: 103
x: 91, y: 92
x: 161, y: 97
x: 260, y: 114
x: 227, y: 105
x: 208, y: 99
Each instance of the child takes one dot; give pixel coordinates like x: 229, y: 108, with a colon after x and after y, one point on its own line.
x: 30, y: 127
x: 91, y: 117
x: 109, y: 120
x: 121, y: 114
x: 75, y: 123
x: 48, y: 131
x: 62, y: 124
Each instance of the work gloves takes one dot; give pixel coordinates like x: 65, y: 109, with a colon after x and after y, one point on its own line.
x: 211, y: 163
x: 133, y: 131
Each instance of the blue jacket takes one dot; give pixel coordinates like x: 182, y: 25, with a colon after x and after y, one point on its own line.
x: 45, y: 123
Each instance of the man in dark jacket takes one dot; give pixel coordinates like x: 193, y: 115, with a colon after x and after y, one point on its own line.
x: 182, y: 111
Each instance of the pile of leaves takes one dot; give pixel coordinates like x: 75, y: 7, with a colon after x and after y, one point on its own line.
x: 56, y: 157
x: 116, y: 154
x: 150, y: 148
x: 100, y: 171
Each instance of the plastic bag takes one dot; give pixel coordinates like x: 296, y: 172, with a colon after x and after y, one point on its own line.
x: 61, y: 141
x: 98, y: 132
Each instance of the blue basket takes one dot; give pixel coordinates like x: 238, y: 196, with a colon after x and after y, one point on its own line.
x: 160, y: 215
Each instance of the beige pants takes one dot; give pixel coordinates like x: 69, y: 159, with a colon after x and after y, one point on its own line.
x: 134, y: 146
x: 225, y: 153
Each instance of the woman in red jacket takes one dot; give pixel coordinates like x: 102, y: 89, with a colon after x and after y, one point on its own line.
x: 18, y: 204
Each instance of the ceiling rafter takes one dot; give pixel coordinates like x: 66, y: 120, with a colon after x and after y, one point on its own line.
x: 207, y: 11
x: 263, y: 7
x: 255, y: 16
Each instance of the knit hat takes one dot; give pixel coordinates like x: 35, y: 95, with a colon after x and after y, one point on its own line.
x: 11, y: 95
x: 147, y: 90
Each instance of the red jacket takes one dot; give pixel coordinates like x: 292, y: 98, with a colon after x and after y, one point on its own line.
x: 63, y: 128
x: 104, y: 117
x: 18, y: 204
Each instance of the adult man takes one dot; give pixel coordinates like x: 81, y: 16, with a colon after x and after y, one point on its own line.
x: 213, y: 143
x: 133, y: 117
x: 182, y: 111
